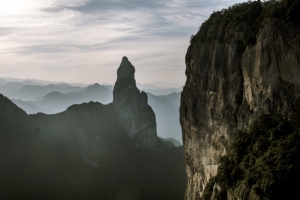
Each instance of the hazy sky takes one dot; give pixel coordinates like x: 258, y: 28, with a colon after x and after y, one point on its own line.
x: 85, y: 40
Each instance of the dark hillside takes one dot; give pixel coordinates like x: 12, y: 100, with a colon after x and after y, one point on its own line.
x: 82, y: 153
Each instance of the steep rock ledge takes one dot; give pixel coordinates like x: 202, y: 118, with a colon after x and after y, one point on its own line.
x: 228, y: 85
x: 134, y: 113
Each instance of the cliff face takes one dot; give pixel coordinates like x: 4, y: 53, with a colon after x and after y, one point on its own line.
x: 228, y: 85
x: 134, y: 113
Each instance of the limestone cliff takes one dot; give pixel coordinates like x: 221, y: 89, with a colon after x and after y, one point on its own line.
x: 229, y: 83
x: 134, y: 113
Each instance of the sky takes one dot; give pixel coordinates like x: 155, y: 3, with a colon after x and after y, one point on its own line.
x: 83, y: 41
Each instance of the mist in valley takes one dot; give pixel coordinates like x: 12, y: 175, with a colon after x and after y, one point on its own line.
x: 52, y: 98
x: 90, y: 141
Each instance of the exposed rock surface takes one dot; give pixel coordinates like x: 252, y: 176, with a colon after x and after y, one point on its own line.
x: 228, y: 85
x: 134, y: 113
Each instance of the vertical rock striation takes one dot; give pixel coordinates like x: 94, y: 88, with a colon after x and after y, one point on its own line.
x: 228, y: 85
x: 134, y: 113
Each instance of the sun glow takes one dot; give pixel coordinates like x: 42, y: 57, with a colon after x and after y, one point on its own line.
x: 16, y: 7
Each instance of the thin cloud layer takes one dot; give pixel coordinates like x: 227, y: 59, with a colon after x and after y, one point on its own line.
x: 84, y: 40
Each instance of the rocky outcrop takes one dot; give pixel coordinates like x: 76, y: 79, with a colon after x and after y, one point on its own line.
x: 228, y: 85
x: 134, y: 113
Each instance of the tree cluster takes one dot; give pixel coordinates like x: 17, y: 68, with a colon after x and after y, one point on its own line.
x: 266, y: 159
x: 251, y: 13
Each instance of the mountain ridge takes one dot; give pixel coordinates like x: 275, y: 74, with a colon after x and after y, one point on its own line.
x: 84, y: 153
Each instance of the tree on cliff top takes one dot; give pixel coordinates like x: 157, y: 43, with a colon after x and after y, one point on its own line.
x: 253, y: 14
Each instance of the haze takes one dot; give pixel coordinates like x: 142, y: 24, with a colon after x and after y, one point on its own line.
x: 84, y: 40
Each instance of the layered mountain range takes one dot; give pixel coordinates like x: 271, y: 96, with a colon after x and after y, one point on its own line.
x: 57, y: 97
x: 89, y: 151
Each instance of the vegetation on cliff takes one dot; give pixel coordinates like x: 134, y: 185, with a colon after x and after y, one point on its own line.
x: 252, y: 14
x: 266, y: 159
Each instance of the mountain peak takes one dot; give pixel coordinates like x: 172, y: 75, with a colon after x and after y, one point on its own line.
x: 95, y: 85
x: 131, y: 105
x: 126, y: 69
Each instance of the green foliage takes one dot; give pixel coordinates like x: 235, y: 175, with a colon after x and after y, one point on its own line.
x: 252, y: 14
x: 266, y: 158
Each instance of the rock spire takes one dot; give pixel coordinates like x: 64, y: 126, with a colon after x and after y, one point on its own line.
x: 134, y: 113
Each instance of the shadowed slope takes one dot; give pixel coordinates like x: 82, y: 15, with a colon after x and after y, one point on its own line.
x: 82, y: 153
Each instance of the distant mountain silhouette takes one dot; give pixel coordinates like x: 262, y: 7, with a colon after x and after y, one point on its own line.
x: 147, y: 86
x: 98, y: 93
x: 3, y: 81
x: 166, y: 109
x: 10, y: 87
x: 60, y: 96
x: 165, y: 91
x: 166, y: 84
x: 29, y: 107
x: 55, y: 102
x: 32, y: 92
x: 165, y: 106
x: 82, y: 153
x: 29, y: 81
x: 153, y: 89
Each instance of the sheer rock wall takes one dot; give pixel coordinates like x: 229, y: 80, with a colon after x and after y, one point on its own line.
x: 229, y: 84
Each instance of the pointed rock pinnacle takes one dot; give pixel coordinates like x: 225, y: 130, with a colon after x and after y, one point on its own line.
x: 126, y: 69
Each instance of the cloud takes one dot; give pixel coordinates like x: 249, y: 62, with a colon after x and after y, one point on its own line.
x: 104, y: 5
x: 84, y: 40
